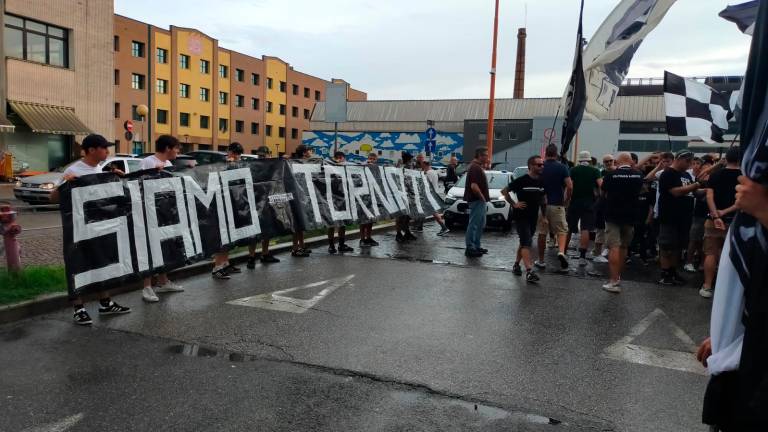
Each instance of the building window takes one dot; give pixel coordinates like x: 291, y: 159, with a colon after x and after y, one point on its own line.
x: 162, y: 116
x: 115, y: 43
x: 205, y: 67
x: 306, y: 92
x: 239, y: 126
x: 223, y: 97
x: 317, y: 95
x: 295, y: 89
x: 204, y: 122
x: 269, y: 106
x: 269, y: 83
x: 205, y: 94
x: 294, y: 133
x: 282, y: 86
x: 162, y: 86
x: 137, y: 82
x: 137, y: 49
x: 223, y: 71
x: 239, y: 101
x: 282, y: 109
x: 184, y: 119
x: 184, y: 91
x: 306, y: 114
x: 268, y: 130
x: 135, y: 113
x: 281, y: 132
x: 255, y: 103
x: 117, y: 110
x: 255, y: 79
x: 162, y: 55
x: 117, y: 77
x: 183, y: 61
x: 295, y: 111
x: 34, y: 41
x: 239, y: 75
x: 223, y: 125
x: 254, y: 128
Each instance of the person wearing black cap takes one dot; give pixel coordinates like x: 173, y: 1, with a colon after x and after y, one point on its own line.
x: 676, y: 202
x: 222, y: 268
x: 95, y: 151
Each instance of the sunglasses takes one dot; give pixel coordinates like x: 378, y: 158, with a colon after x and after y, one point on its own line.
x: 538, y: 165
x: 608, y: 161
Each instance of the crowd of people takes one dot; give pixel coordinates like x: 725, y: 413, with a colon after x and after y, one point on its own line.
x: 675, y: 208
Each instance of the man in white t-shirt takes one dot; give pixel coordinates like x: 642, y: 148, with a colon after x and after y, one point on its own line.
x: 166, y: 149
x: 95, y: 151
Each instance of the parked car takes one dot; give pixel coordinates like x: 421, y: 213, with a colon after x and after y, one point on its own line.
x: 204, y: 157
x: 498, y: 210
x: 519, y: 172
x: 183, y: 162
x: 38, y: 189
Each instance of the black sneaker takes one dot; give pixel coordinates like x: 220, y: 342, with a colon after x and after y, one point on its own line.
x: 332, y: 249
x: 563, y: 261
x: 232, y: 269
x: 400, y: 238
x: 372, y: 242
x: 344, y: 248
x: 306, y: 250
x: 299, y: 253
x: 81, y: 317
x: 531, y: 277
x: 483, y: 250
x: 666, y: 280
x: 443, y: 231
x: 516, y: 270
x: 220, y: 274
x: 409, y: 236
x: 269, y: 259
x: 364, y: 243
x: 473, y: 253
x: 678, y: 280
x: 113, y: 309
x: 251, y: 263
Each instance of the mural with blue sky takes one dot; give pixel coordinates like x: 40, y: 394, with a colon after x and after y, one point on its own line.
x: 388, y: 145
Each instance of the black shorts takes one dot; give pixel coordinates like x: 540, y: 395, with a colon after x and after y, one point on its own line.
x: 674, y: 236
x: 581, y: 212
x: 526, y: 228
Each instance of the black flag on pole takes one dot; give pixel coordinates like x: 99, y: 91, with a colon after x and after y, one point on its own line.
x: 576, y: 97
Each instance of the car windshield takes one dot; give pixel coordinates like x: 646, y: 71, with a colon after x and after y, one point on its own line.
x: 495, y: 180
x: 519, y: 172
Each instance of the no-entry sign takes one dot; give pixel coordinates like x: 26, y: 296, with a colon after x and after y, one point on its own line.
x: 128, y: 125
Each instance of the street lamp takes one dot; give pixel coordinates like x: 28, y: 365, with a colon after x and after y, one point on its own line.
x: 142, y: 110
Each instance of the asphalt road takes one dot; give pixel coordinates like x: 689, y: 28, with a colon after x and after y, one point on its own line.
x: 405, y: 337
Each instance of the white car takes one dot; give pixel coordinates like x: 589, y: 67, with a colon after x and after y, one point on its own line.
x: 38, y: 189
x: 498, y: 209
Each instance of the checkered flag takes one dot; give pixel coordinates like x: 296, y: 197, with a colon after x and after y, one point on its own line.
x: 695, y: 109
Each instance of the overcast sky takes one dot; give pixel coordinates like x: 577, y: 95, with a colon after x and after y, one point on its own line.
x: 438, y: 49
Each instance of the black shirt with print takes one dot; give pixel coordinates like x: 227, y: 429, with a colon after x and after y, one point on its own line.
x: 530, y: 191
x: 672, y: 209
x: 622, y: 188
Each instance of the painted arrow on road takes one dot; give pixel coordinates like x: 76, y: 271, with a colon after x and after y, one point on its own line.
x: 280, y: 301
x: 59, y: 426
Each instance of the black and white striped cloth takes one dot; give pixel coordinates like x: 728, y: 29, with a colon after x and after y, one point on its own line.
x: 694, y: 109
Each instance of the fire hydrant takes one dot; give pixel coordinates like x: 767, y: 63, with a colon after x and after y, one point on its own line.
x: 10, y: 230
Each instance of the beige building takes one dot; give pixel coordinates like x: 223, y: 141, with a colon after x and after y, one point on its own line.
x: 57, y: 73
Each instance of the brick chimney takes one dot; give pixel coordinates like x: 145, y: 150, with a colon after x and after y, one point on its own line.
x: 519, y: 92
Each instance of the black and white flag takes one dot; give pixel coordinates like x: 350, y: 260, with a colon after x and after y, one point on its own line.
x: 743, y: 15
x: 576, y: 93
x: 695, y: 109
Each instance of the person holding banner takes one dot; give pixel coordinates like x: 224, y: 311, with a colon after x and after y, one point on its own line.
x: 298, y: 250
x: 366, y: 230
x: 433, y: 178
x: 222, y: 269
x: 340, y: 159
x: 404, y: 233
x: 166, y: 149
x: 95, y: 150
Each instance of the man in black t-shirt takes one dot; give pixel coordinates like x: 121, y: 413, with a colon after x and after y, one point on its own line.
x: 676, y: 202
x: 621, y: 189
x: 700, y: 173
x: 529, y: 190
x: 721, y: 200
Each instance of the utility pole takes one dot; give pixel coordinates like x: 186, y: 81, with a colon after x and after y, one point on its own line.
x: 492, y: 101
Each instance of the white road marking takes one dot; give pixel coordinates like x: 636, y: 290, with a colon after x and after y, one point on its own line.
x: 279, y: 301
x: 625, y: 350
x: 59, y: 426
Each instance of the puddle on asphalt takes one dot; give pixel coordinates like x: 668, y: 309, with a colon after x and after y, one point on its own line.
x: 195, y: 350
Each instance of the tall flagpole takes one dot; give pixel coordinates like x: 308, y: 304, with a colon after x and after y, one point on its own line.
x: 492, y: 101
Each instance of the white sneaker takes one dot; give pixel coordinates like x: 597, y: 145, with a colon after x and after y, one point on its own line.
x: 540, y: 264
x: 689, y: 268
x: 612, y: 287
x: 604, y: 253
x: 169, y: 286
x: 590, y: 256
x: 705, y: 292
x: 600, y: 259
x: 148, y: 294
x: 582, y: 262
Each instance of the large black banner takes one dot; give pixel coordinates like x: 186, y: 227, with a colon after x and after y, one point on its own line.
x: 118, y: 229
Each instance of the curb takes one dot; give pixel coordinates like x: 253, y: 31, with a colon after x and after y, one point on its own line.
x: 48, y: 303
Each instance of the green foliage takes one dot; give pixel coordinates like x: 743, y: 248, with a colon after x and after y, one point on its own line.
x: 31, y: 282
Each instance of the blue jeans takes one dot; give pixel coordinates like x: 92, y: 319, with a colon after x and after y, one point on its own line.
x: 476, y: 224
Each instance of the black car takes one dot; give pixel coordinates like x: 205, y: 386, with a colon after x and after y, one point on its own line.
x: 204, y: 157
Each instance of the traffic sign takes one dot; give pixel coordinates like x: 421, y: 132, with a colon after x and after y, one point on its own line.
x: 431, y: 134
x: 129, y: 136
x: 128, y: 125
x: 429, y: 146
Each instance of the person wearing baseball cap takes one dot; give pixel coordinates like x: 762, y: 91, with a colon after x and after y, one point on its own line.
x: 581, y: 213
x: 222, y: 268
x: 95, y: 149
x: 676, y: 202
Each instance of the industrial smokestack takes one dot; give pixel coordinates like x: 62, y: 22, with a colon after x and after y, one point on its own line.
x: 519, y: 92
